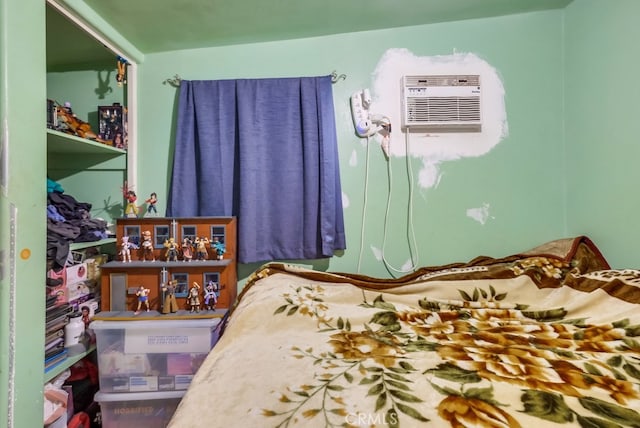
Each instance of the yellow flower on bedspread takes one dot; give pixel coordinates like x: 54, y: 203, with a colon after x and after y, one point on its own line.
x: 469, y: 412
x: 550, y: 267
x: 546, y: 357
x: 383, y: 348
x: 505, y: 346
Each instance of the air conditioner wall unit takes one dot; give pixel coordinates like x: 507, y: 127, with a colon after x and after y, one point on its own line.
x: 441, y: 103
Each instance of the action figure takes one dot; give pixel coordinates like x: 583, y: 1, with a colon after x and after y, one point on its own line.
x: 151, y: 208
x: 187, y: 250
x: 170, y: 305
x: 118, y: 142
x: 172, y: 250
x: 86, y: 316
x: 143, y: 297
x: 125, y: 249
x: 218, y: 246
x: 121, y: 76
x: 147, y: 246
x: 68, y: 122
x: 132, y: 209
x: 201, y: 248
x: 194, y: 297
x: 210, y: 297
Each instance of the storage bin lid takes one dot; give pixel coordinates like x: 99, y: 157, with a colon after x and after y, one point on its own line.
x: 105, y: 397
x: 154, y: 324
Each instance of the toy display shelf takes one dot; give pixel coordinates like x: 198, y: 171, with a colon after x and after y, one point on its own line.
x: 172, y: 264
x: 60, y: 142
x: 66, y: 363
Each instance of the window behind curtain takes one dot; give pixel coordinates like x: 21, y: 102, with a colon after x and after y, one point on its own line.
x: 265, y: 151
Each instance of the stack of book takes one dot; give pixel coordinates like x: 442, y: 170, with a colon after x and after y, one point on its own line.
x: 56, y: 320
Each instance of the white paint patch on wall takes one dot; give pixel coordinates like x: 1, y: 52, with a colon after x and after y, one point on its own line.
x: 407, y: 267
x: 435, y: 148
x: 377, y: 253
x: 480, y: 214
x: 353, y: 159
x: 429, y: 176
x: 345, y: 200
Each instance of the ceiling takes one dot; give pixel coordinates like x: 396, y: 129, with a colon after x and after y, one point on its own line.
x: 166, y: 25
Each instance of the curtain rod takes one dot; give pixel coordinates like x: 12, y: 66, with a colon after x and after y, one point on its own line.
x: 176, y: 79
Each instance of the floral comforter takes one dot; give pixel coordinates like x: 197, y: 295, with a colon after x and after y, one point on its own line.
x: 546, y: 338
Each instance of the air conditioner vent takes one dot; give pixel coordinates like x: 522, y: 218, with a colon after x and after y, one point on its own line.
x: 442, y: 103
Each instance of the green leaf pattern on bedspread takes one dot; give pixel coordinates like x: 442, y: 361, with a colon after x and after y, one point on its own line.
x: 481, y: 340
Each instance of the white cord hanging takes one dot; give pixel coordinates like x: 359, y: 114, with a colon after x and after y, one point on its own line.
x: 414, y: 263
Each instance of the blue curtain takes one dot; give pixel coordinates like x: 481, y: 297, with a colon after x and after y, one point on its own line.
x: 265, y: 151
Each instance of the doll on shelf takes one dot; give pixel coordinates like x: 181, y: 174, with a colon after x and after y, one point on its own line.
x: 147, y: 247
x: 86, y: 316
x: 210, y: 296
x: 201, y: 248
x: 187, y: 249
x: 194, y: 297
x: 131, y: 209
x: 172, y: 249
x: 152, y: 211
x: 143, y: 298
x: 125, y: 249
x: 218, y: 247
x: 169, y: 289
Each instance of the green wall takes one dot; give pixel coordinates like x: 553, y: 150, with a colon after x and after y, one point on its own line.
x: 568, y: 77
x: 521, y: 178
x: 602, y: 126
x: 22, y: 212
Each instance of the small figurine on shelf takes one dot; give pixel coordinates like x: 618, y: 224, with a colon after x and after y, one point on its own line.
x: 86, y: 316
x: 118, y: 141
x: 172, y: 249
x: 143, y: 298
x: 187, y: 249
x: 121, y: 76
x: 69, y: 123
x: 194, y: 297
x: 147, y: 246
x: 210, y: 296
x: 218, y: 247
x: 170, y: 305
x: 201, y: 248
x: 132, y: 209
x: 125, y: 249
x: 152, y: 211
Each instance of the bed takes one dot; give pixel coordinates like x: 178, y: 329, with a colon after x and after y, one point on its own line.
x: 545, y: 338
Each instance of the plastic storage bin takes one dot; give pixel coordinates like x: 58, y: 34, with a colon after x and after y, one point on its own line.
x: 154, y: 355
x: 137, y: 409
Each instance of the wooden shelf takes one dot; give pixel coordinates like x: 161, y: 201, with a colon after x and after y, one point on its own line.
x: 66, y: 363
x: 59, y: 142
x: 74, y: 246
x: 161, y: 263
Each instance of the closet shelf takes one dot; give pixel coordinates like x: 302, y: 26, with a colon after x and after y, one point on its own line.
x: 66, y: 363
x: 59, y: 142
x: 82, y: 245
